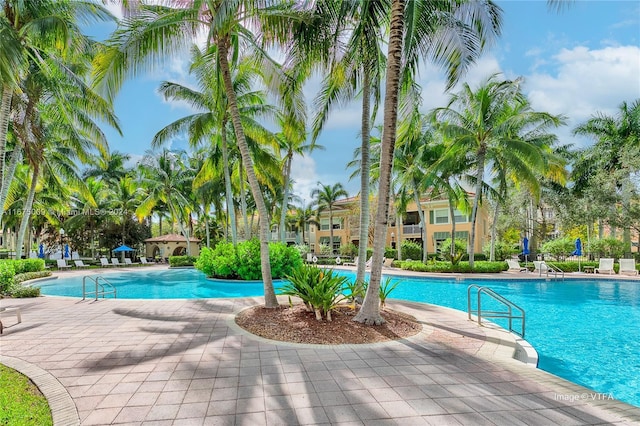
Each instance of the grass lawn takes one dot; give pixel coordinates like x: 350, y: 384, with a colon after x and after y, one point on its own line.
x: 21, y: 403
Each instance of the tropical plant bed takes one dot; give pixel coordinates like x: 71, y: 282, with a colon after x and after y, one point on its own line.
x: 297, y: 325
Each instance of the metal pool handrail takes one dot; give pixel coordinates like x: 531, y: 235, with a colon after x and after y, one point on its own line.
x: 509, y: 313
x: 101, y: 292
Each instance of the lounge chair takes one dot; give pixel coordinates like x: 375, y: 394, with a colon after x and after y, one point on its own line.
x: 128, y: 262
x: 387, y: 262
x: 354, y: 263
x: 80, y: 264
x: 514, y: 266
x: 368, y: 263
x: 143, y: 260
x: 116, y: 262
x: 628, y: 266
x: 62, y: 264
x: 606, y: 267
x: 104, y: 262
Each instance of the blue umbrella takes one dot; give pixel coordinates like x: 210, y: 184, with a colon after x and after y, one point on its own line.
x: 41, y: 251
x: 122, y: 248
x: 66, y: 250
x: 578, y: 251
x: 525, y: 246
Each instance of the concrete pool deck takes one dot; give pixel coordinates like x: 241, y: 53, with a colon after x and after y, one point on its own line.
x: 183, y: 362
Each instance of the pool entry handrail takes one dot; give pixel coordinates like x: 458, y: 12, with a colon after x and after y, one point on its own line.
x: 508, y: 314
x: 100, y: 284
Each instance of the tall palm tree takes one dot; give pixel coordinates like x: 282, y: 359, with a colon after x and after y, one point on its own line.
x: 38, y: 37
x: 108, y: 166
x: 614, y: 136
x: 166, y: 180
x: 453, y: 34
x: 325, y: 199
x: 491, y: 124
x: 231, y: 28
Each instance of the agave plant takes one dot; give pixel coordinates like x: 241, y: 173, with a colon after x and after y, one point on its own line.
x: 387, y: 287
x: 319, y: 289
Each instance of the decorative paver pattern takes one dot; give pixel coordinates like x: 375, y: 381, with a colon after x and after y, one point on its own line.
x: 183, y: 362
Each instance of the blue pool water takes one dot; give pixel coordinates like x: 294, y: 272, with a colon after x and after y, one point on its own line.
x: 586, y: 331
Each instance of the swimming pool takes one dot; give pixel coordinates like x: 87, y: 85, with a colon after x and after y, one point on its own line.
x: 586, y: 331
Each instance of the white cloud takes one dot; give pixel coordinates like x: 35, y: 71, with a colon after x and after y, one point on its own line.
x: 304, y: 176
x: 585, y: 82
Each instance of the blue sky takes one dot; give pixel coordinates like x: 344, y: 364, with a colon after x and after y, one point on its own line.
x: 578, y: 62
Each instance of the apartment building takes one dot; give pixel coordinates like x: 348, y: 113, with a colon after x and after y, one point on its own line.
x: 346, y: 229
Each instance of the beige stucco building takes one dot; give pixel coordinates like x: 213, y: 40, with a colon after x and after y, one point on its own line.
x: 170, y: 245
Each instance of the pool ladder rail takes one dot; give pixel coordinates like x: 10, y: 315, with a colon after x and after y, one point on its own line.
x: 512, y: 311
x: 553, y: 270
x: 102, y: 287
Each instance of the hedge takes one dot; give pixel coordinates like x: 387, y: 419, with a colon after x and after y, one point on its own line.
x: 176, y: 261
x: 13, y: 272
x: 437, y: 266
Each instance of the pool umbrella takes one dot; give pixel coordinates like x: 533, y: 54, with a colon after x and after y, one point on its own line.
x: 41, y: 251
x: 578, y: 251
x: 122, y: 248
x: 66, y: 251
x: 525, y: 250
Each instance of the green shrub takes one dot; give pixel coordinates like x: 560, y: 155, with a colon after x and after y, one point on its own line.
x: 411, y: 250
x: 177, y: 261
x: 28, y: 265
x: 479, y: 267
x: 243, y: 261
x: 19, y: 291
x: 607, y: 247
x: 349, y: 250
x: 414, y: 265
x: 7, y: 272
x: 502, y: 250
x: 369, y: 252
x: 559, y: 247
x: 390, y: 253
x: 460, y: 250
x: 26, y: 276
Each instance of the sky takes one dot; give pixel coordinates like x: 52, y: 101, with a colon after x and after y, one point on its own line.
x: 579, y: 62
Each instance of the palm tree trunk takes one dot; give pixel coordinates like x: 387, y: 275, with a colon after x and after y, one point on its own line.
x: 28, y: 204
x: 370, y: 311
x: 5, y: 109
x: 330, y: 230
x: 399, y: 226
x: 285, y: 197
x: 452, y: 213
x: 243, y: 206
x: 227, y: 187
x: 365, y: 166
x: 16, y: 158
x: 494, y: 226
x: 270, y: 299
x: 476, y: 203
x: 423, y: 232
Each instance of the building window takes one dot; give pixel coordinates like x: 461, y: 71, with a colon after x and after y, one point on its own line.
x: 324, y: 224
x: 461, y: 217
x: 439, y: 216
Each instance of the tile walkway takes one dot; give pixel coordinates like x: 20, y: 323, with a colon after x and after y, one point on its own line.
x: 185, y: 362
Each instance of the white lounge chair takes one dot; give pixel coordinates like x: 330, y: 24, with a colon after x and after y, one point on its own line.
x: 80, y: 264
x: 62, y: 264
x: 514, y: 266
x: 143, y: 260
x: 354, y: 263
x: 128, y: 262
x: 387, y: 262
x: 116, y: 262
x: 104, y: 262
x: 628, y: 266
x: 606, y: 267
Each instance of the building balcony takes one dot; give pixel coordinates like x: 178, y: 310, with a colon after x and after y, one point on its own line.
x: 411, y: 230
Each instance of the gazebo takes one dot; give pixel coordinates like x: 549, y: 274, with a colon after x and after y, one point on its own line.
x: 170, y: 245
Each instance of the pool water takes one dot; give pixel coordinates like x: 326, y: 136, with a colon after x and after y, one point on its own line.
x: 586, y: 331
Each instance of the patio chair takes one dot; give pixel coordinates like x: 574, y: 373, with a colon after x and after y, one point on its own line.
x: 606, y: 266
x: 127, y: 261
x: 514, y: 266
x: 80, y: 264
x: 104, y: 262
x: 354, y: 263
x: 387, y: 262
x: 627, y: 266
x: 62, y: 264
x: 144, y: 261
x: 116, y: 262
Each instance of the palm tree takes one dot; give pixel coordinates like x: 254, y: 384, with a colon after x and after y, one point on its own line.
x: 165, y: 179
x: 453, y: 34
x: 325, y: 199
x: 38, y: 37
x: 108, y: 167
x: 157, y: 30
x: 494, y: 123
x: 304, y: 216
x: 614, y: 137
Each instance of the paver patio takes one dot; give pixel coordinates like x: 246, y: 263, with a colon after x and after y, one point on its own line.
x: 184, y: 362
